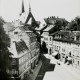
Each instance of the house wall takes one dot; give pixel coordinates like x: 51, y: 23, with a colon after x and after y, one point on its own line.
x: 27, y: 60
x: 24, y: 65
x: 48, y: 41
x: 65, y: 48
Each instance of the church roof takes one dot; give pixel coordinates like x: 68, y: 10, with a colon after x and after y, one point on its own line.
x: 23, y: 17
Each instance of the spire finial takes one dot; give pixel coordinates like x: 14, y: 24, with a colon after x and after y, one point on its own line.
x: 29, y: 7
x: 22, y: 9
x: 23, y: 6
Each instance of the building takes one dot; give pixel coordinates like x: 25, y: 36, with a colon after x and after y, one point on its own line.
x: 20, y: 59
x: 24, y: 44
x: 47, y: 38
x: 22, y: 33
x: 67, y: 44
x: 45, y: 32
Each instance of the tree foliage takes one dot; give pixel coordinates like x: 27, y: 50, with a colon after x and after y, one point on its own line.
x: 4, y: 53
x: 60, y: 24
x: 75, y: 24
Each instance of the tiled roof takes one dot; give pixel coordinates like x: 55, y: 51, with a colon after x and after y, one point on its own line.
x: 68, y: 36
x: 24, y: 28
x: 21, y: 46
x: 30, y: 34
x: 48, y: 28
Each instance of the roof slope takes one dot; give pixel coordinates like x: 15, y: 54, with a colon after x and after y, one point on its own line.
x: 21, y: 46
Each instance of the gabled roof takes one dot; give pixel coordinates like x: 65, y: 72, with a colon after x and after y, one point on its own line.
x: 33, y: 21
x: 27, y: 18
x: 23, y: 17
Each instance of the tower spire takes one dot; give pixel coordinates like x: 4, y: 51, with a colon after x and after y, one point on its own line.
x: 29, y: 7
x: 23, y: 7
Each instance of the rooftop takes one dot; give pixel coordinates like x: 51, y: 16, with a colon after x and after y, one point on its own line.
x: 21, y: 46
x: 48, y: 28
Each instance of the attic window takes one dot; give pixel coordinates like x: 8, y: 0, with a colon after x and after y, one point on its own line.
x: 15, y: 32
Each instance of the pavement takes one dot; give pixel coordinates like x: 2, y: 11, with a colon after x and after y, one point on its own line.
x: 62, y: 71
x: 46, y: 67
x: 32, y: 76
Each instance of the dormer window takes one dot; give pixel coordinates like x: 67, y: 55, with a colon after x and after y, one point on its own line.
x: 15, y: 32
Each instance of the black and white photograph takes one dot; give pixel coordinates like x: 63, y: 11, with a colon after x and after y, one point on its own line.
x: 39, y: 39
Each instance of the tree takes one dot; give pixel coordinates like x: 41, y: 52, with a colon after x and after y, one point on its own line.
x: 4, y: 53
x: 77, y: 20
x: 75, y: 24
x: 61, y: 24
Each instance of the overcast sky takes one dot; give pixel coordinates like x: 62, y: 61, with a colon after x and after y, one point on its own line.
x: 68, y: 9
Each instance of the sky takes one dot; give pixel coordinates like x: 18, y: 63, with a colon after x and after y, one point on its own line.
x: 68, y: 9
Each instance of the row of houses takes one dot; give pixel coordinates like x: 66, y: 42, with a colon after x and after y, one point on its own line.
x: 64, y: 42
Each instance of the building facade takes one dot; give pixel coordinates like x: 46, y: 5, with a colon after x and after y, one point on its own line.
x: 66, y: 44
x: 26, y: 60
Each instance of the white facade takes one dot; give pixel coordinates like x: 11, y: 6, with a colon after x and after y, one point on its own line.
x: 48, y: 41
x: 64, y: 48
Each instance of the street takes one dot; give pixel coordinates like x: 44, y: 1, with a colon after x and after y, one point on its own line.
x: 46, y: 67
x: 50, y: 70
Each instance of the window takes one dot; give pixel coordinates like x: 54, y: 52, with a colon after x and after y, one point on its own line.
x: 20, y: 61
x: 15, y: 32
x: 78, y: 62
x: 50, y: 38
x: 77, y: 38
x: 14, y: 71
x: 13, y: 62
x: 22, y: 58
